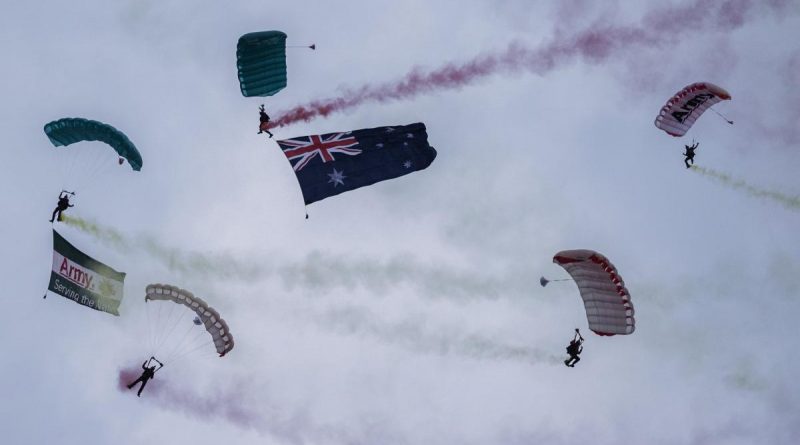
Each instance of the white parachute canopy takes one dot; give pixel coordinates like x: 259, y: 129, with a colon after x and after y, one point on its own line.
x: 608, y: 304
x: 687, y: 105
x: 206, y: 315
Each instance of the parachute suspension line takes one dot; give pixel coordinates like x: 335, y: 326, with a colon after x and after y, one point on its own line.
x: 178, y: 345
x: 83, y: 166
x: 157, y: 328
x: 164, y: 335
x: 184, y: 354
x: 102, y: 166
x: 198, y: 350
x: 149, y: 326
x: 193, y: 343
x: 67, y: 165
x: 722, y: 116
x: 172, y: 328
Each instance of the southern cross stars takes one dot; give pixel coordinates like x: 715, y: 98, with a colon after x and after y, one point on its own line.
x: 337, y: 177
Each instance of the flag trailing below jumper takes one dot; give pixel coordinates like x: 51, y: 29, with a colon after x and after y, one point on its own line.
x: 81, y: 278
x: 333, y: 163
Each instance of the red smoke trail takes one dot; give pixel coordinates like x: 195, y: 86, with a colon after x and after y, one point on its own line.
x: 595, y: 45
x: 230, y: 405
x: 128, y: 375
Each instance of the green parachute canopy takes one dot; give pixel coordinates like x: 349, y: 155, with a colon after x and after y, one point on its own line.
x: 70, y: 130
x: 261, y: 61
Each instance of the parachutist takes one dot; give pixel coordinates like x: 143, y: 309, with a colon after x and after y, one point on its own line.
x: 63, y: 204
x: 148, y: 373
x: 690, y: 153
x: 264, y: 118
x: 574, y: 349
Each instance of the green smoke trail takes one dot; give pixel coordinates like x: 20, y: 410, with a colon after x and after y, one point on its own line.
x: 319, y: 270
x: 176, y: 260
x: 788, y: 201
x: 109, y: 236
x: 413, y: 334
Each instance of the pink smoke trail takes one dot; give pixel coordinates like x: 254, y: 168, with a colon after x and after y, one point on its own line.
x: 595, y: 45
x: 230, y: 405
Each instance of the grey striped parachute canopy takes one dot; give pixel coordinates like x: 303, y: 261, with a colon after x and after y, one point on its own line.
x: 608, y: 304
x: 214, y: 324
x: 687, y: 105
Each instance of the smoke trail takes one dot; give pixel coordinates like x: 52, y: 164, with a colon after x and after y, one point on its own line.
x: 177, y: 260
x: 319, y: 270
x: 413, y: 336
x: 745, y: 377
x: 128, y: 375
x: 788, y: 201
x: 230, y: 405
x: 108, y: 235
x: 595, y: 44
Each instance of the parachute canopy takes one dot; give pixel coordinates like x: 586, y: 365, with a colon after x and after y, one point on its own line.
x: 687, y: 105
x: 214, y: 324
x: 608, y: 304
x: 70, y: 130
x: 261, y: 61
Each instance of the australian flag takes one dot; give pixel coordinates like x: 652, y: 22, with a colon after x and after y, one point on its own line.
x: 333, y: 163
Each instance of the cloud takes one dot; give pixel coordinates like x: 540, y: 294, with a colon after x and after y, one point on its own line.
x: 596, y: 44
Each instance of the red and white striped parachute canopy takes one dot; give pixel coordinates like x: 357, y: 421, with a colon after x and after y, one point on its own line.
x: 608, y: 304
x: 687, y: 105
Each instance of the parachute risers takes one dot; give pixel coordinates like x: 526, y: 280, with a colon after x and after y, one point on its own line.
x: 609, y: 309
x: 210, y: 318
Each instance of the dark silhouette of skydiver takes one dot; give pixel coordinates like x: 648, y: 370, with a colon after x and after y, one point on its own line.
x: 264, y: 118
x: 148, y: 373
x: 690, y: 153
x: 574, y: 349
x: 63, y: 204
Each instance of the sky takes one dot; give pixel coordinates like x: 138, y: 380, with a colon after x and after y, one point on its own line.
x: 410, y: 311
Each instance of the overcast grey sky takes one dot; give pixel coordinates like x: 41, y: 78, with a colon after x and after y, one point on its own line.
x: 409, y: 312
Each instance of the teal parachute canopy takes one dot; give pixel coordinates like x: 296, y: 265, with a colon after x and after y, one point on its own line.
x: 70, y: 130
x: 261, y: 61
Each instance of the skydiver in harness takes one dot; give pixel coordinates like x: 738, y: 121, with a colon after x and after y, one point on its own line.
x: 63, y: 204
x: 148, y: 373
x: 574, y: 349
x: 690, y: 153
x: 264, y: 118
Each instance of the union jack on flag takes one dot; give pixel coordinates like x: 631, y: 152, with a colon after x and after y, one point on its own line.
x: 300, y: 151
